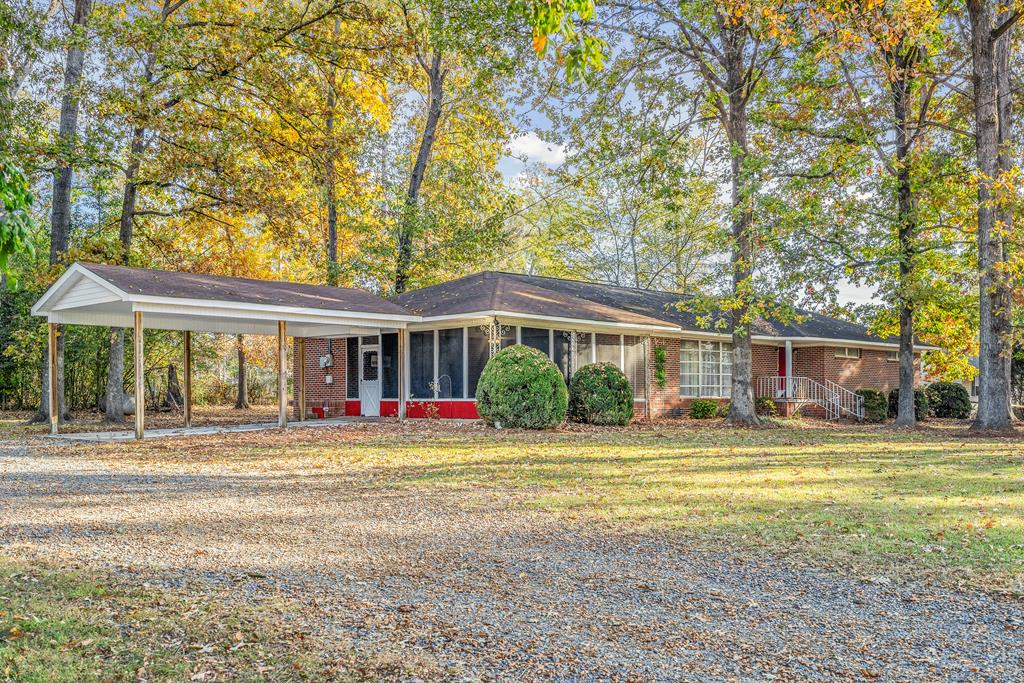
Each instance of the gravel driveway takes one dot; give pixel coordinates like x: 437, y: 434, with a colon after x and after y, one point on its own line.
x: 484, y: 588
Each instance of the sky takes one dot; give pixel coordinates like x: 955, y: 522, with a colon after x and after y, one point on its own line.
x: 530, y: 148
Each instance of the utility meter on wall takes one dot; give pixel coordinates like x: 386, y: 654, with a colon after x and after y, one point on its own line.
x: 326, y: 361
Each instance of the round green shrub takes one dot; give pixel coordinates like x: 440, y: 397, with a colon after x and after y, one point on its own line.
x: 521, y: 387
x: 876, y: 407
x: 703, y: 409
x: 920, y: 403
x: 766, y: 406
x: 600, y: 394
x: 949, y: 399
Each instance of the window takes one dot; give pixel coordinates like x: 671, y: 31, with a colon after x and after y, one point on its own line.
x: 584, y: 349
x: 705, y: 369
x: 609, y: 349
x: 636, y: 362
x: 421, y: 364
x: 689, y: 369
x: 508, y: 336
x: 449, y: 363
x: 479, y: 354
x: 710, y: 369
x: 535, y: 338
x: 560, y: 354
x: 389, y: 366
x: 371, y: 365
x: 352, y: 367
x: 847, y: 352
x: 892, y: 356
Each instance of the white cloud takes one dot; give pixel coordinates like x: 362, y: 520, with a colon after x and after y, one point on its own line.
x: 530, y: 147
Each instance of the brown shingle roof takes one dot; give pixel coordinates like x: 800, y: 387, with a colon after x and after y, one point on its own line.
x: 165, y: 283
x: 490, y: 291
x: 519, y: 293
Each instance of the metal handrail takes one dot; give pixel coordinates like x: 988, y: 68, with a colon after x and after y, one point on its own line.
x: 835, y: 399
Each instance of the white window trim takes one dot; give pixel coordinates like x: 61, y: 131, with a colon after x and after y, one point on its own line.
x: 719, y: 393
x: 844, y: 352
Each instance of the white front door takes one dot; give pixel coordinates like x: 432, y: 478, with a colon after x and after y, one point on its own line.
x: 369, y: 381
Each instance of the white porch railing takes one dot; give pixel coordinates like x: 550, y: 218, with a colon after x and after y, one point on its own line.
x: 837, y: 401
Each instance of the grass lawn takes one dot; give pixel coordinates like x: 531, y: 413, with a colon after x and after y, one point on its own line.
x: 934, y: 503
x: 65, y: 626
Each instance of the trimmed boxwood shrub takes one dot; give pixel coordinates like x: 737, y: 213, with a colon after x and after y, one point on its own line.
x: 599, y: 394
x: 703, y: 408
x: 766, y: 406
x: 876, y: 408
x: 949, y: 399
x: 521, y: 387
x: 920, y: 403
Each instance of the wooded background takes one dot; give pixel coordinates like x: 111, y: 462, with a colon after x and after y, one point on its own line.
x: 757, y: 153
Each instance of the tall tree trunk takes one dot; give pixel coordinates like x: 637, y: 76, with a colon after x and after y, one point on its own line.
x: 115, y: 377
x: 242, y: 400
x: 1004, y: 216
x: 60, y: 216
x: 332, y: 201
x: 115, y: 368
x: 993, y: 335
x: 410, y: 217
x: 173, y: 398
x: 906, y: 232
x: 741, y: 406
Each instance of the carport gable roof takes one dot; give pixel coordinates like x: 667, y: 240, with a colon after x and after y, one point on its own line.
x: 108, y: 295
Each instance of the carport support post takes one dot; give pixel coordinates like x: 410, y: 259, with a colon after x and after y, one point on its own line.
x: 282, y: 383
x: 54, y: 404
x: 187, y: 398
x: 401, y: 373
x: 140, y: 371
x: 300, y: 380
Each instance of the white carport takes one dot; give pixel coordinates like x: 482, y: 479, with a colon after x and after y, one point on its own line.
x: 115, y: 296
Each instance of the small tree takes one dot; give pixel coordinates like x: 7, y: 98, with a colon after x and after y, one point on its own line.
x: 521, y: 387
x: 600, y: 394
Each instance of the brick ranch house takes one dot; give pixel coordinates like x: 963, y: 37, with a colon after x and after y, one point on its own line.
x: 420, y: 354
x: 813, y: 363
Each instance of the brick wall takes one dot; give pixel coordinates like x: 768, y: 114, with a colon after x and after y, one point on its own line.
x: 318, y: 392
x: 871, y: 370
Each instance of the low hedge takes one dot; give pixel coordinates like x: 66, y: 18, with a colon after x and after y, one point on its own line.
x: 703, y: 409
x: 920, y: 403
x: 521, y: 387
x: 949, y: 399
x: 876, y: 407
x: 600, y: 394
